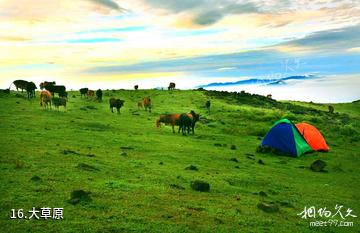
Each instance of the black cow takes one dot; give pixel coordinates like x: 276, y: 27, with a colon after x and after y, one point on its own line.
x: 171, y: 86
x: 20, y: 84
x: 207, y: 105
x: 57, y: 102
x: 136, y: 87
x: 99, y: 95
x: 30, y: 90
x: 195, y: 119
x: 56, y: 89
x: 63, y: 94
x: 185, y: 122
x: 116, y: 103
x: 83, y: 91
x: 5, y: 91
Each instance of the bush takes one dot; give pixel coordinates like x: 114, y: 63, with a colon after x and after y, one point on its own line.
x: 348, y: 130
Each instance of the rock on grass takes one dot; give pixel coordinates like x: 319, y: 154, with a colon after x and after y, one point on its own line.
x: 268, y: 207
x: 192, y: 168
x: 318, y: 166
x: 79, y: 196
x: 200, y: 186
x: 35, y: 178
x: 86, y: 167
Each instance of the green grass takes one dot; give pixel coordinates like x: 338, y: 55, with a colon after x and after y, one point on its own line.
x: 134, y: 165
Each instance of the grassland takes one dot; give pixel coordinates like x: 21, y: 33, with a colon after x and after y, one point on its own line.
x: 136, y: 174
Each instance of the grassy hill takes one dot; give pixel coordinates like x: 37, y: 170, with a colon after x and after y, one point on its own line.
x: 135, y: 174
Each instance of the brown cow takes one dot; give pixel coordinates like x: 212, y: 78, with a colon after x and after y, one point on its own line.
x: 140, y: 104
x: 147, y: 103
x: 168, y: 119
x: 269, y: 96
x: 46, y: 83
x: 174, y: 119
x: 90, y: 93
x: 45, y: 99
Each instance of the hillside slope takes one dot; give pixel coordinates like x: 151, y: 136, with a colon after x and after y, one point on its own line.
x: 136, y: 173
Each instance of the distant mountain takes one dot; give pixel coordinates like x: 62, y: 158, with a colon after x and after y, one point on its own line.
x: 253, y: 81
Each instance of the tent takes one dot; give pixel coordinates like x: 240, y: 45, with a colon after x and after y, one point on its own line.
x: 312, y: 136
x: 285, y: 137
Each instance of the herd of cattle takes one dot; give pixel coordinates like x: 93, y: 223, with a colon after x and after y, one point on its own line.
x: 185, y: 121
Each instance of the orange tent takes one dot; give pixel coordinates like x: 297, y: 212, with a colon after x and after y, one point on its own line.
x: 312, y: 136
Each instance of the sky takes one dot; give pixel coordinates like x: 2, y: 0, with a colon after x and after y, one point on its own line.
x: 113, y: 44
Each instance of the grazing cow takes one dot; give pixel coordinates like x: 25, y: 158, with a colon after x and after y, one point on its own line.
x: 45, y: 99
x: 20, y: 84
x: 83, y: 91
x: 63, y: 94
x: 57, y: 102
x: 90, y: 93
x: 116, y: 103
x: 30, y: 90
x: 174, y: 119
x: 331, y: 109
x: 55, y: 89
x: 171, y: 86
x: 5, y: 91
x: 136, y: 87
x: 168, y: 119
x: 195, y: 118
x: 185, y: 122
x: 46, y: 83
x: 99, y: 95
x: 147, y: 103
x: 140, y: 105
x: 269, y: 96
x: 207, y: 105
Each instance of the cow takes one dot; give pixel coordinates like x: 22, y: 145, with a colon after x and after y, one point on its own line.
x: 331, y: 109
x: 20, y: 84
x: 269, y: 96
x: 116, y: 103
x: 63, y: 94
x: 195, y: 118
x: 174, y: 119
x: 5, y: 91
x: 207, y: 105
x: 168, y: 119
x: 99, y: 95
x: 147, y: 103
x: 171, y: 86
x: 45, y: 99
x: 55, y: 89
x: 185, y: 122
x: 46, y: 83
x: 90, y: 93
x: 136, y: 87
x: 83, y: 91
x: 140, y: 105
x: 30, y: 90
x: 59, y: 101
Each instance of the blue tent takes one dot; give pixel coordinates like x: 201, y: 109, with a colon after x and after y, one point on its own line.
x: 285, y: 137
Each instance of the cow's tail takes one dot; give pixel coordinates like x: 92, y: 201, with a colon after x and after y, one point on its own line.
x: 10, y: 85
x: 158, y: 123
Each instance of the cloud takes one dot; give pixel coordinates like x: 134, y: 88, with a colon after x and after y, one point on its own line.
x: 206, y: 12
x: 108, y: 3
x: 329, y: 40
